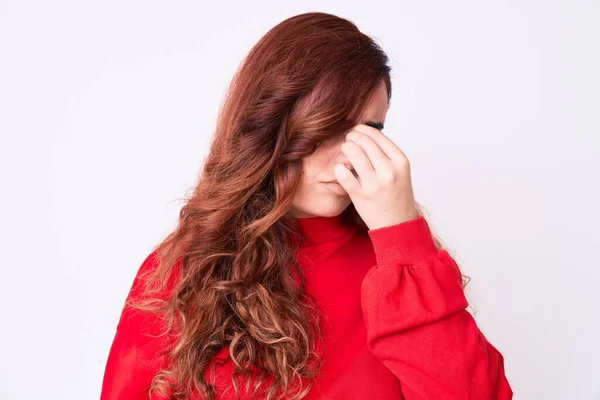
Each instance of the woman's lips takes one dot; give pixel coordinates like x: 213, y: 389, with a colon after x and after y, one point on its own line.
x: 335, y: 187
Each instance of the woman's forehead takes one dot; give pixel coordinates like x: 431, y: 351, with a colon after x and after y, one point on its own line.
x: 376, y: 109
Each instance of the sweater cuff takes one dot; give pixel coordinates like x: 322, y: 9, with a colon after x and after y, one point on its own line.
x: 405, y: 243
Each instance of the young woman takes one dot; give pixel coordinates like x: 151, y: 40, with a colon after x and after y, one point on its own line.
x: 302, y: 266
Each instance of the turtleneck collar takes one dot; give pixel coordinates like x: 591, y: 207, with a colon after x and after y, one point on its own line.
x: 322, y: 229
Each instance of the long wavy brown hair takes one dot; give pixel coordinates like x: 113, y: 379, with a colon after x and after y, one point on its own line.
x: 306, y: 80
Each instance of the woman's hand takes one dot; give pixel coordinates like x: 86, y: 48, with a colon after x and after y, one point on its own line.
x: 382, y: 192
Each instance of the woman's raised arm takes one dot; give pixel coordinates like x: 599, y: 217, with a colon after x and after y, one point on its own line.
x: 417, y: 323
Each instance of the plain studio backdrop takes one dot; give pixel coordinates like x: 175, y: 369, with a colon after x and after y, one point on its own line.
x: 106, y: 111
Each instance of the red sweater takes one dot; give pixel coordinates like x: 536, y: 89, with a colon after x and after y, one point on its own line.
x: 394, y: 321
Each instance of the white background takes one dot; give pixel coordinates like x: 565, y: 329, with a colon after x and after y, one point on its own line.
x: 106, y: 110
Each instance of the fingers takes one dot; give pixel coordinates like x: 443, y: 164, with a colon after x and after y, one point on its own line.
x: 389, y: 148
x: 372, y: 155
x: 346, y: 178
x: 379, y: 160
x: 361, y: 163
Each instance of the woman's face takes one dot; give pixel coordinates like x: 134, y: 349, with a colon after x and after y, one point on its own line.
x: 314, y: 196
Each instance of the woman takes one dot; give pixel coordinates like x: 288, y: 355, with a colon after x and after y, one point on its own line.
x: 301, y: 266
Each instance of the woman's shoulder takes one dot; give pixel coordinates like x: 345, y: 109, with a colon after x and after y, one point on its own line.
x: 147, y: 277
x: 147, y: 288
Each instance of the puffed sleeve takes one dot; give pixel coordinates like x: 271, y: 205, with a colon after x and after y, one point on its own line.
x: 417, y: 323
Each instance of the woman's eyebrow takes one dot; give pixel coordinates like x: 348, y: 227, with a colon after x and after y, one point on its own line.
x: 376, y: 125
